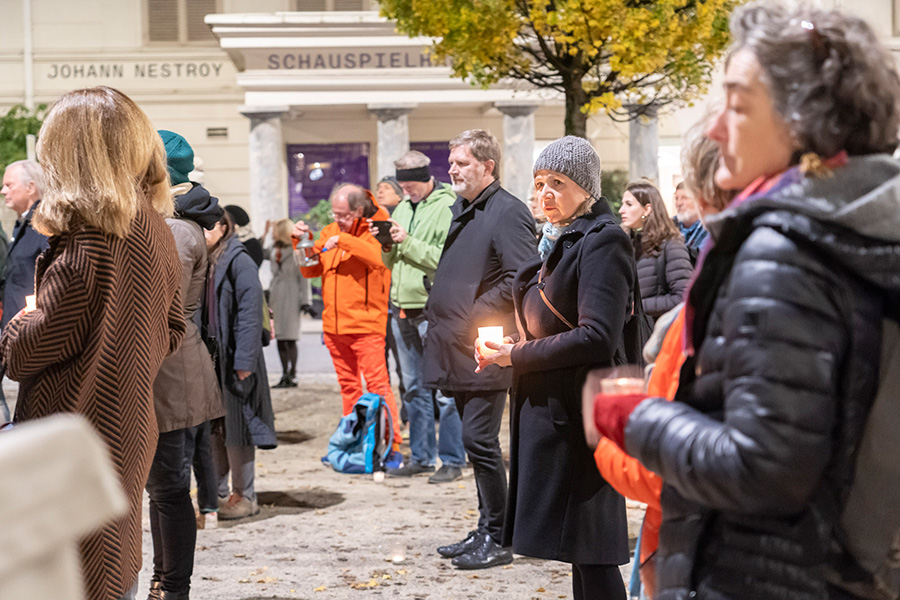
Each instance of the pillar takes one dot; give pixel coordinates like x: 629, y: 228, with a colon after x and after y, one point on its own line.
x: 268, y: 165
x: 393, y: 134
x: 643, y: 144
x: 518, y: 148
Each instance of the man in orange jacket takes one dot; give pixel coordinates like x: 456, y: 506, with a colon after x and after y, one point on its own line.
x: 355, y: 286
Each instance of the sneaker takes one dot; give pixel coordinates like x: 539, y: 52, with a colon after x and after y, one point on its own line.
x: 211, y: 520
x: 446, y: 474
x: 394, y: 460
x: 240, y: 509
x: 486, y: 554
x: 410, y: 469
x: 291, y: 382
x: 454, y: 550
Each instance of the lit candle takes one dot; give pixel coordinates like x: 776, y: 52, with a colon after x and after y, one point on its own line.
x: 30, y: 303
x: 489, y: 334
x: 378, y: 476
x: 622, y: 386
x: 398, y: 553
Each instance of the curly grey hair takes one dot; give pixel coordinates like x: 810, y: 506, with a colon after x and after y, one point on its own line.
x: 830, y: 78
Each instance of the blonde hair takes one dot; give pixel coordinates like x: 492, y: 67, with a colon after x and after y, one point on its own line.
x: 281, y: 231
x: 699, y: 162
x: 103, y: 160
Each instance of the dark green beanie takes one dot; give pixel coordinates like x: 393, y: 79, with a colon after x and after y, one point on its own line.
x: 179, y: 156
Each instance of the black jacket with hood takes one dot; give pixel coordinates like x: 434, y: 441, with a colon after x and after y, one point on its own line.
x: 757, y: 451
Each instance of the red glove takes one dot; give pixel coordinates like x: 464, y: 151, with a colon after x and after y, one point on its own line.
x: 611, y: 412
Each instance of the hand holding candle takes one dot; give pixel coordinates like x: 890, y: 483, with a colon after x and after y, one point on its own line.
x: 489, y: 334
x: 486, y: 355
x: 608, y: 397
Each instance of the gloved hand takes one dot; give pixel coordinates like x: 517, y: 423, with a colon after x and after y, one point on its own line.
x: 309, y: 310
x: 611, y: 413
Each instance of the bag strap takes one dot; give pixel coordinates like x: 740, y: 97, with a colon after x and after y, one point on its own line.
x: 540, y: 287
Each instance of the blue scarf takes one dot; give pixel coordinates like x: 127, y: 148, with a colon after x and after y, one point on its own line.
x: 551, y: 233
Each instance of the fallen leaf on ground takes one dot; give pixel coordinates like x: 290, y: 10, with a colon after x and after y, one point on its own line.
x: 321, y: 588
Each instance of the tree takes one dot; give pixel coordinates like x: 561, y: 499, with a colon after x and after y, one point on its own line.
x: 621, y: 56
x: 15, y: 126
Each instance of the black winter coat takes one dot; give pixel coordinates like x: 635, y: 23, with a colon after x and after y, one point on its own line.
x: 757, y: 450
x: 559, y: 506
x: 674, y: 263
x: 489, y: 239
x: 22, y: 253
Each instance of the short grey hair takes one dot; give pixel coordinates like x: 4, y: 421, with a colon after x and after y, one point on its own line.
x: 483, y: 146
x: 30, y: 171
x: 831, y: 80
x: 412, y: 160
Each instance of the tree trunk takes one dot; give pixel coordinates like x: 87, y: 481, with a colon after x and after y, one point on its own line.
x: 576, y: 119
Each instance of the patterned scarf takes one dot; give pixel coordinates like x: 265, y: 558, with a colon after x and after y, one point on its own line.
x: 551, y: 233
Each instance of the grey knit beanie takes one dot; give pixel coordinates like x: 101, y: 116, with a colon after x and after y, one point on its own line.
x: 576, y: 159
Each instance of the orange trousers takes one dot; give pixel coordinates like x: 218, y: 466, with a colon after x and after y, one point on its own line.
x: 356, y: 354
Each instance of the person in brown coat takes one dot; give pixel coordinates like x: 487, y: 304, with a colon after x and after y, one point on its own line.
x: 108, y: 307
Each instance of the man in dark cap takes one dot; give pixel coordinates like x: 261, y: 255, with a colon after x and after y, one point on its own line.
x: 245, y: 233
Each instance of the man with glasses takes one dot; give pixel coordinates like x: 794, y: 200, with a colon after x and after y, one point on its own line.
x: 355, y: 285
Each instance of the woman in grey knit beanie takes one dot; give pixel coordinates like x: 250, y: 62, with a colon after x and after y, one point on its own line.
x: 572, y: 302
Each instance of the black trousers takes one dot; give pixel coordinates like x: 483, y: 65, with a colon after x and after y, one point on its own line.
x: 597, y: 582
x: 172, y: 522
x: 482, y: 414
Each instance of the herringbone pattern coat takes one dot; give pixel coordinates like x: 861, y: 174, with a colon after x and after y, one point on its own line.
x: 108, y: 312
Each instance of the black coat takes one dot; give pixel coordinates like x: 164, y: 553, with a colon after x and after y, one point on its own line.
x: 673, y: 262
x: 757, y: 451
x: 559, y: 506
x: 489, y: 239
x: 18, y: 279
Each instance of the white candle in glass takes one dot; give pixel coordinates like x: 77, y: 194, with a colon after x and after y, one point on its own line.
x: 30, y: 303
x: 489, y: 334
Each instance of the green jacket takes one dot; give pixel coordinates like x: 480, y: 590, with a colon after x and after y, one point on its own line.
x: 418, y: 255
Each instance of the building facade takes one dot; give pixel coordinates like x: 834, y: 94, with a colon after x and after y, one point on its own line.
x: 281, y: 98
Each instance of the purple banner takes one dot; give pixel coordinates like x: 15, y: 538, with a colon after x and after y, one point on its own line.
x: 439, y: 153
x: 314, y: 169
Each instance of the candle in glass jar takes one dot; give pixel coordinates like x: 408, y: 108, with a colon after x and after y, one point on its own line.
x: 622, y: 386
x: 30, y: 303
x: 489, y: 334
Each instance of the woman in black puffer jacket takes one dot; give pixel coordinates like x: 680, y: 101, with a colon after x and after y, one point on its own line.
x: 663, y: 262
x: 784, y: 320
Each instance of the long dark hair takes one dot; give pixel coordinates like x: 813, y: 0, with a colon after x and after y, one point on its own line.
x: 657, y: 227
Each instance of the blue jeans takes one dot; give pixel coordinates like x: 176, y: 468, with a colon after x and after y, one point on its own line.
x: 409, y: 334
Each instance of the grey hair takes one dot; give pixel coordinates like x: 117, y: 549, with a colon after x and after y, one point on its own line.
x: 30, y: 171
x: 412, y: 160
x: 483, y: 146
x: 831, y: 80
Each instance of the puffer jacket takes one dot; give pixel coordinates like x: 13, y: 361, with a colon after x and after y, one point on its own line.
x: 758, y: 449
x: 673, y: 262
x: 355, y: 282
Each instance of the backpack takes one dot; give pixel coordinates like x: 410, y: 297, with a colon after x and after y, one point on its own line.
x: 362, y: 441
x: 869, y: 527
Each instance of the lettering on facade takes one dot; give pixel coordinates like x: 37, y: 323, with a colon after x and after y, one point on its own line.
x: 149, y: 70
x: 349, y: 60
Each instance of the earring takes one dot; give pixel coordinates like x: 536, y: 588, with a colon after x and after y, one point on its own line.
x: 643, y: 217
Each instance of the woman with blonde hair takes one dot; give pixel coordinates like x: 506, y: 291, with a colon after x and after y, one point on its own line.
x: 108, y: 307
x: 288, y: 292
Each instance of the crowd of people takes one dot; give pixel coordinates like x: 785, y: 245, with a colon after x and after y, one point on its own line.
x: 131, y: 297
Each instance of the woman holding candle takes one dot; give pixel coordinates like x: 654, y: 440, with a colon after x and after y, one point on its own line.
x: 784, y: 321
x: 572, y: 302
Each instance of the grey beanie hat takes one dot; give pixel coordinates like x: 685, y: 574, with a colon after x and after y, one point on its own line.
x: 575, y: 158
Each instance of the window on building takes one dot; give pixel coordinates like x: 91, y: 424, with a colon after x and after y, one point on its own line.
x: 180, y: 21
x: 335, y: 5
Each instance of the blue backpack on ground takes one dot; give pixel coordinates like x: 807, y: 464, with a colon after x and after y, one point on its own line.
x: 362, y: 441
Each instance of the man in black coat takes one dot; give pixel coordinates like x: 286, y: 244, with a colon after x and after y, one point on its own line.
x: 23, y: 186
x: 491, y: 235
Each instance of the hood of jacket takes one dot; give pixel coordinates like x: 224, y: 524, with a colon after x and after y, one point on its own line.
x: 197, y: 205
x: 853, y: 217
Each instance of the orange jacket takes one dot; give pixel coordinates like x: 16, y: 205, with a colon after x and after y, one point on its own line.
x: 626, y: 474
x: 355, y: 282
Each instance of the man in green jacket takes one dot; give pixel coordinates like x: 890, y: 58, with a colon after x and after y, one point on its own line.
x: 418, y: 229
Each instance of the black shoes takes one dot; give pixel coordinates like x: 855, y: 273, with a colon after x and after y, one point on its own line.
x: 485, y: 554
x: 446, y: 474
x: 157, y: 593
x: 454, y: 550
x: 287, y: 381
x: 410, y: 469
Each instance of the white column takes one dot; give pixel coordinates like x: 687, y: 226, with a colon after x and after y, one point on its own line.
x: 518, y: 148
x: 393, y: 134
x: 643, y: 145
x: 268, y: 165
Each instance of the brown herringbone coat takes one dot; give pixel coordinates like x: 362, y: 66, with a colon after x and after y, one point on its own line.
x: 108, y: 312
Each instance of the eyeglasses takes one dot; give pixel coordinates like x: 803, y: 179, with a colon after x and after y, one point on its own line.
x: 347, y: 217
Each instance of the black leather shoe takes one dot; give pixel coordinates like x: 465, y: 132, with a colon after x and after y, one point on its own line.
x: 184, y: 595
x: 454, y: 550
x: 282, y: 383
x: 155, y: 590
x: 410, y: 469
x: 486, y: 554
x: 446, y: 474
